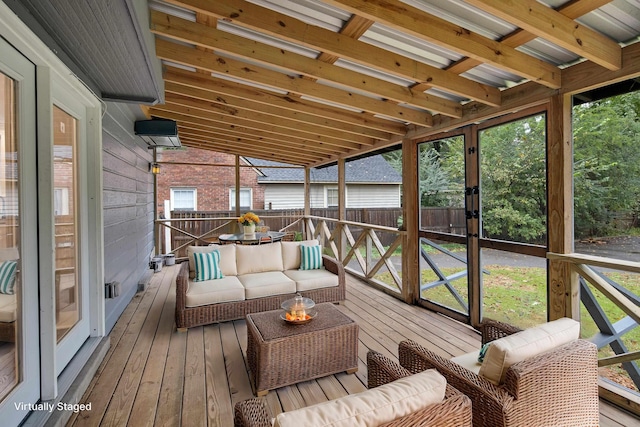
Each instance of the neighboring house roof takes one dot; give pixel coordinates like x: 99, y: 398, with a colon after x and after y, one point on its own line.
x: 374, y: 169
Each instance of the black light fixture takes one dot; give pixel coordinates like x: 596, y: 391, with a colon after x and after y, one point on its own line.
x: 155, y: 168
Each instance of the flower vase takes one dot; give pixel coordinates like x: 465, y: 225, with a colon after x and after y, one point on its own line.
x: 249, y: 229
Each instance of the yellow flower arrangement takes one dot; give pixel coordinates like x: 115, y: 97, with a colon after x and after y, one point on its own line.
x: 249, y: 218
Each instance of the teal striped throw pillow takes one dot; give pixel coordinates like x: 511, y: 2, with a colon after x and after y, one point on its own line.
x: 207, y: 266
x: 310, y: 257
x: 8, y: 277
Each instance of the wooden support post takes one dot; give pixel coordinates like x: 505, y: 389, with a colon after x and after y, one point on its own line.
x: 563, y: 298
x: 342, y: 207
x: 410, y: 222
x: 307, y: 201
x: 237, y: 185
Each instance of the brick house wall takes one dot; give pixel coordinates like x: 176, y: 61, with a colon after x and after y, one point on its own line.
x: 212, y: 183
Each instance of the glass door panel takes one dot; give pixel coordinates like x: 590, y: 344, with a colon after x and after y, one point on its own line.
x: 513, y: 213
x: 443, y: 249
x: 19, y: 326
x: 10, y: 295
x: 66, y: 236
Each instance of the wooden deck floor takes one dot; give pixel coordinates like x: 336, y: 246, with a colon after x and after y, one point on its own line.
x: 155, y: 376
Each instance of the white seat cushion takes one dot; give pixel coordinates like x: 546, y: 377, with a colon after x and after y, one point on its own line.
x: 8, y: 308
x: 372, y: 407
x: 312, y: 279
x: 504, y: 352
x: 291, y: 253
x: 469, y: 361
x: 266, y: 284
x: 258, y: 258
x: 227, y: 258
x: 216, y: 291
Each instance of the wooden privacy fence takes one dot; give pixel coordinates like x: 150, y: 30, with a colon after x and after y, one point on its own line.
x: 201, y: 227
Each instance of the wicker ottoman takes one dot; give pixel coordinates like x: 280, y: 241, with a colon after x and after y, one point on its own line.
x: 281, y: 354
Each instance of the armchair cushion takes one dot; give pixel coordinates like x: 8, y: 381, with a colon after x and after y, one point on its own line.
x: 504, y: 352
x: 371, y: 407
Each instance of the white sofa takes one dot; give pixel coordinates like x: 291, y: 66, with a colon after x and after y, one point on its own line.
x: 256, y: 278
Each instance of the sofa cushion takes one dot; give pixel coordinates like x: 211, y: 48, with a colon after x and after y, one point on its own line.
x: 310, y: 257
x: 504, y: 352
x: 208, y: 292
x: 469, y: 361
x: 312, y: 279
x: 266, y: 284
x: 8, y: 308
x: 258, y: 258
x: 227, y: 258
x: 207, y: 266
x: 291, y: 253
x: 371, y: 407
x: 7, y: 277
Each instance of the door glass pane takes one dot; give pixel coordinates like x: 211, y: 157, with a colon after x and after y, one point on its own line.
x: 513, y: 194
x: 66, y: 226
x: 441, y: 186
x: 10, y: 287
x: 513, y: 181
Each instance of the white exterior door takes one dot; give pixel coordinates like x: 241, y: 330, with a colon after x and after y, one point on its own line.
x: 20, y: 338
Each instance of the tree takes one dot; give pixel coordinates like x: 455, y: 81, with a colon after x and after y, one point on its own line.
x: 513, y: 180
x: 606, y: 163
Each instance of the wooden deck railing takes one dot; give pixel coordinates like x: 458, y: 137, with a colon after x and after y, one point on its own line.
x: 610, y: 332
x: 361, y: 250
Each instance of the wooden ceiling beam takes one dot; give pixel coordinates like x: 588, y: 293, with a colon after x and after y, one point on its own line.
x: 323, y: 126
x: 252, y: 73
x: 267, y: 128
x: 232, y: 131
x: 408, y: 19
x: 203, y: 36
x: 358, y: 123
x: 555, y: 27
x: 336, y: 44
x: 265, y: 141
x: 208, y: 101
x: 227, y: 147
x: 244, y: 146
x: 261, y: 121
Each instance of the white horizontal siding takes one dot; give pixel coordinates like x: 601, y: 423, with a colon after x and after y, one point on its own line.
x: 284, y: 196
x: 291, y: 196
x: 373, y: 196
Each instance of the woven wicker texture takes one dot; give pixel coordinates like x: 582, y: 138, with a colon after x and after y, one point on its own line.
x: 556, y: 388
x: 8, y: 331
x: 294, y: 353
x: 454, y: 411
x: 189, y: 317
x: 271, y: 325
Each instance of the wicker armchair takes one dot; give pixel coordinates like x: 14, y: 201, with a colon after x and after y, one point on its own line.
x: 556, y: 388
x: 455, y: 409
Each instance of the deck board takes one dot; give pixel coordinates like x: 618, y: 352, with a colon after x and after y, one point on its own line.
x: 155, y: 376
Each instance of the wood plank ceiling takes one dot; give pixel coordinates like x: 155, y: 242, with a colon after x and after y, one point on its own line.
x: 307, y: 82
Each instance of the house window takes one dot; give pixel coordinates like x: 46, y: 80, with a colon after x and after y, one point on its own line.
x: 184, y: 199
x: 332, y: 197
x: 245, y: 199
x: 61, y: 201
